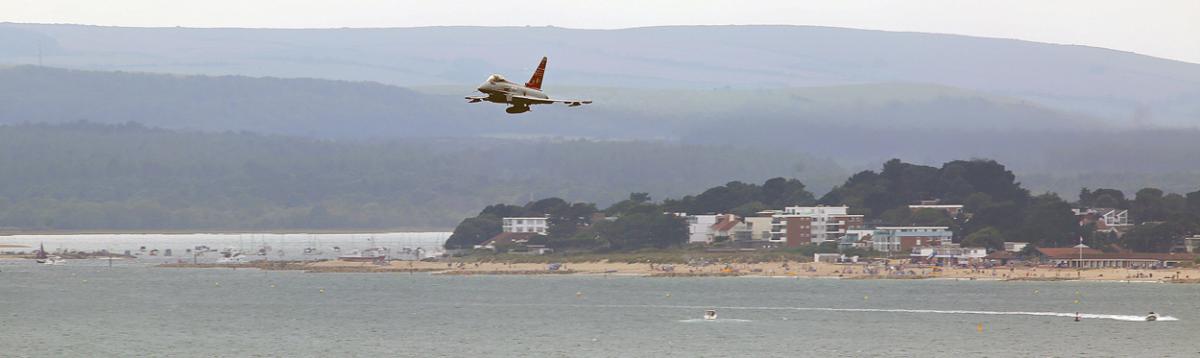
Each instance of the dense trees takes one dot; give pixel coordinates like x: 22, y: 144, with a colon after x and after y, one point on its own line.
x: 636, y: 222
x: 84, y: 176
x: 744, y: 199
x: 988, y: 237
x: 643, y: 229
x: 997, y: 209
x: 1102, y: 198
x: 564, y: 219
x: 900, y: 184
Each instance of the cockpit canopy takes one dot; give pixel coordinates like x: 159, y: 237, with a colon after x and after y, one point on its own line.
x: 496, y: 78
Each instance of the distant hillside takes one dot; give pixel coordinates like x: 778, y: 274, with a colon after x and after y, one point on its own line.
x: 82, y: 176
x: 1120, y: 87
x: 340, y: 109
x: 857, y: 126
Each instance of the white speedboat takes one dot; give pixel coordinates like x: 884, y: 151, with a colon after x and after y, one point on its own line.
x: 368, y: 255
x: 236, y: 258
x: 710, y: 315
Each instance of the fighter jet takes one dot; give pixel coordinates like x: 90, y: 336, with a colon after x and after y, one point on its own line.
x: 518, y: 97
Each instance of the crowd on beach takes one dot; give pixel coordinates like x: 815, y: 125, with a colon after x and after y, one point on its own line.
x: 792, y: 269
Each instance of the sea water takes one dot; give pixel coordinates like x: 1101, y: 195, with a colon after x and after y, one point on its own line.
x: 274, y: 246
x: 133, y: 309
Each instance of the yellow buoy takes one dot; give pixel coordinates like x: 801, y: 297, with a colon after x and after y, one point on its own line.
x: 322, y: 290
x: 864, y: 297
x: 668, y: 294
x: 1076, y: 301
x: 979, y: 328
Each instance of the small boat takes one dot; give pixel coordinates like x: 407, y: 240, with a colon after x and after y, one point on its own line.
x: 1152, y: 317
x: 368, y: 255
x: 236, y: 258
x: 41, y: 257
x: 44, y: 259
x: 371, y: 254
x: 710, y: 315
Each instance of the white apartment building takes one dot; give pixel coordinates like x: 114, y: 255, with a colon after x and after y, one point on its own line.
x: 531, y: 224
x: 823, y: 223
x: 904, y: 238
x: 700, y: 227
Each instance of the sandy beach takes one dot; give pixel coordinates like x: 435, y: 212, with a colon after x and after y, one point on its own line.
x: 768, y: 269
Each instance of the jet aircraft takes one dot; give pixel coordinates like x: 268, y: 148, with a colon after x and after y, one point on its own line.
x: 518, y: 97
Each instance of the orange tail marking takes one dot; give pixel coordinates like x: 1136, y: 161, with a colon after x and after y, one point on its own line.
x: 535, y: 82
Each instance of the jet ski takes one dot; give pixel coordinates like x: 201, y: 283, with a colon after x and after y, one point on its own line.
x: 1151, y: 317
x: 710, y: 315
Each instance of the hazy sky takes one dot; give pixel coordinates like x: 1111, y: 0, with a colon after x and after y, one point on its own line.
x: 1163, y: 28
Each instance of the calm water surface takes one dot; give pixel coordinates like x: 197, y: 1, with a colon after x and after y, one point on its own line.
x: 88, y: 309
x: 275, y: 246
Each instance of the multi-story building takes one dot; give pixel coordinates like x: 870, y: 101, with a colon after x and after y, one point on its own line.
x: 758, y: 228
x: 903, y: 238
x: 537, y: 225
x: 1191, y: 244
x: 1107, y: 220
x: 700, y: 227
x: 799, y: 225
x: 857, y: 238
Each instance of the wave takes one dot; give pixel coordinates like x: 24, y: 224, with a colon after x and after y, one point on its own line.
x: 1115, y: 317
x: 694, y: 320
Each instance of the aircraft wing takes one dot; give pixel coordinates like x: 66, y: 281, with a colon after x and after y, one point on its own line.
x: 532, y: 100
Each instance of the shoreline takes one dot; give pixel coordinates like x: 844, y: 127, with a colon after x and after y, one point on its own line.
x: 768, y: 270
x: 4, y: 233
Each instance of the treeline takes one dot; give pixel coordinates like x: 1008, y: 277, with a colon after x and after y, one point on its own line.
x: 86, y: 176
x: 1055, y: 153
x: 633, y: 223
x: 638, y: 223
x: 996, y: 209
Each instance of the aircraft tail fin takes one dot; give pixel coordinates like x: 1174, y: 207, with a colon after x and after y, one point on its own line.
x: 535, y: 82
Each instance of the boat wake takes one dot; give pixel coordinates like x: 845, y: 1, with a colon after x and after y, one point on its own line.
x: 1115, y: 317
x: 695, y: 320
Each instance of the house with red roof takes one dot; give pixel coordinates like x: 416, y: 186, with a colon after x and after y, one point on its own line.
x: 727, y: 228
